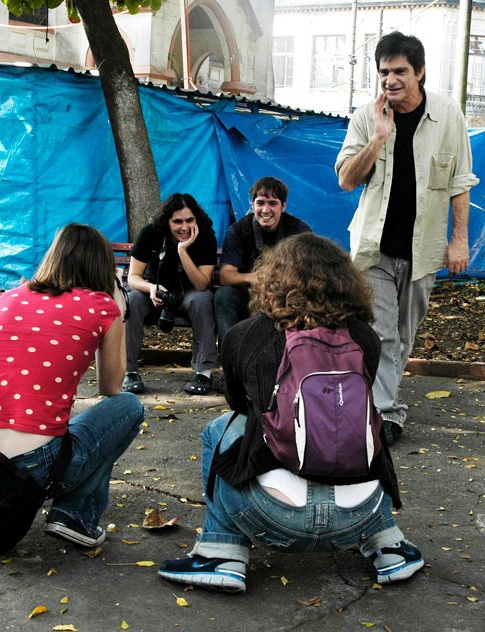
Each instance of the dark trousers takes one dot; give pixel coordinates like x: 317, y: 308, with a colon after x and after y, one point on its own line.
x: 232, y: 306
x: 197, y: 306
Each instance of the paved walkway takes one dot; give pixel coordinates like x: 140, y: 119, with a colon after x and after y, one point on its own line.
x: 440, y: 465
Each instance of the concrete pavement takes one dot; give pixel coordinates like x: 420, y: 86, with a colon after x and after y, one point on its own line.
x: 440, y: 465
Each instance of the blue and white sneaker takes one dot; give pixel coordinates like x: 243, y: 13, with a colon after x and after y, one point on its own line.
x: 397, y: 561
x: 213, y: 573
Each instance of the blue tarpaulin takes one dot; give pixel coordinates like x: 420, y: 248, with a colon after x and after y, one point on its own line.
x: 58, y: 164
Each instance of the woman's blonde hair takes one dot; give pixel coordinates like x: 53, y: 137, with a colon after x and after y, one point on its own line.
x: 79, y: 256
x: 307, y: 281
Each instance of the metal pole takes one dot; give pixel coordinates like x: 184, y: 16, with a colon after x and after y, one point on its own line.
x: 352, y: 58
x: 379, y: 35
x: 462, y: 53
x: 183, y: 34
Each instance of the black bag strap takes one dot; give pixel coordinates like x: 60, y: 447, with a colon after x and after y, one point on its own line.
x: 60, y: 464
x: 209, y: 490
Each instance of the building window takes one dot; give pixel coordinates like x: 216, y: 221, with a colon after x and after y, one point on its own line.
x: 283, y: 48
x: 38, y: 16
x: 328, y: 61
x: 368, y: 61
x: 476, y: 66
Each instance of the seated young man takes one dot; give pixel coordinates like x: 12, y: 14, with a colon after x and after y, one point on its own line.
x: 263, y: 227
x: 170, y: 273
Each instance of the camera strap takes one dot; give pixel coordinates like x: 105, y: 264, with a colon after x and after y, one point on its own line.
x: 161, y: 259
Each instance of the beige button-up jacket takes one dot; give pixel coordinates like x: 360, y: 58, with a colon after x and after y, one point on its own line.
x: 443, y: 164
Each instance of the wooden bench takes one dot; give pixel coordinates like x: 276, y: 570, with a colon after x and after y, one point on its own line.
x: 121, y: 252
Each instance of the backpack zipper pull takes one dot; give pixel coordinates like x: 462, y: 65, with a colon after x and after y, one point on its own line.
x: 296, y: 404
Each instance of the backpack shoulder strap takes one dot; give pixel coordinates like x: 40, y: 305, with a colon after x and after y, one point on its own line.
x: 209, y: 490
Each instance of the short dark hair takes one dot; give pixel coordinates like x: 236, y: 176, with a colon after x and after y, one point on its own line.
x: 176, y: 202
x: 271, y: 187
x: 79, y: 256
x: 396, y: 44
x: 320, y: 285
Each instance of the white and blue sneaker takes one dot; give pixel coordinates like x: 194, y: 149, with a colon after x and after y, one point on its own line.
x: 213, y: 573
x: 396, y: 562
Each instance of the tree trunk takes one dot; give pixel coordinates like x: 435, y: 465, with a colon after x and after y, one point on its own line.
x: 137, y: 166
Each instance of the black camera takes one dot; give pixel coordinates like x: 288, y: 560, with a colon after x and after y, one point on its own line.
x: 171, y: 302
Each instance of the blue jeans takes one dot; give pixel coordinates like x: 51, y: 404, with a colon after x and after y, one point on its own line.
x: 99, y: 435
x: 399, y: 306
x: 238, y: 517
x: 231, y: 305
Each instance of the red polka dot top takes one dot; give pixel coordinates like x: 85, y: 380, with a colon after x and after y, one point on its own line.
x: 46, y: 345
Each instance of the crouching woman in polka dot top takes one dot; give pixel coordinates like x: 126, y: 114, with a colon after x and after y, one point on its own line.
x: 50, y: 330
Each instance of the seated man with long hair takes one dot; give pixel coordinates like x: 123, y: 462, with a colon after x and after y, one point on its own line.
x: 170, y: 274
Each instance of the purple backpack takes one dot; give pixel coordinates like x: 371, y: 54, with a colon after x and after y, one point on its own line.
x: 321, y: 420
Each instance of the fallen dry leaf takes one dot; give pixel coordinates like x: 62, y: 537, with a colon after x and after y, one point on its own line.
x: 155, y: 520
x: 65, y: 599
x: 367, y: 624
x: 145, y: 563
x: 129, y: 541
x: 38, y: 610
x: 111, y: 528
x: 93, y: 552
x: 181, y: 601
x: 192, y: 457
x: 313, y: 601
x: 472, y: 599
x: 51, y: 571
x: 284, y: 581
x: 66, y: 628
x: 438, y: 394
x: 124, y: 625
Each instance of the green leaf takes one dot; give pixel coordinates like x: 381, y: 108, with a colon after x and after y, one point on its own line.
x: 132, y: 6
x: 156, y: 4
x: 53, y: 4
x: 72, y: 13
x: 15, y: 6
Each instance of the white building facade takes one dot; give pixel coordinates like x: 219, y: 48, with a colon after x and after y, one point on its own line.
x: 313, y: 42
x: 230, y: 43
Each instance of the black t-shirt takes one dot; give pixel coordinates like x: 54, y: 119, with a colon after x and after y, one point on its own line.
x: 239, y: 248
x: 172, y: 276
x: 397, y: 236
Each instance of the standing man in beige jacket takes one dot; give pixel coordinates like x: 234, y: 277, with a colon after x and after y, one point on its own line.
x: 410, y: 148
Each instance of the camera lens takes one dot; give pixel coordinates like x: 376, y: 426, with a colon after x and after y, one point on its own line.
x: 166, y: 321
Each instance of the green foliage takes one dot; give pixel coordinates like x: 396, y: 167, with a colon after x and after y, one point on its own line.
x: 17, y: 7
